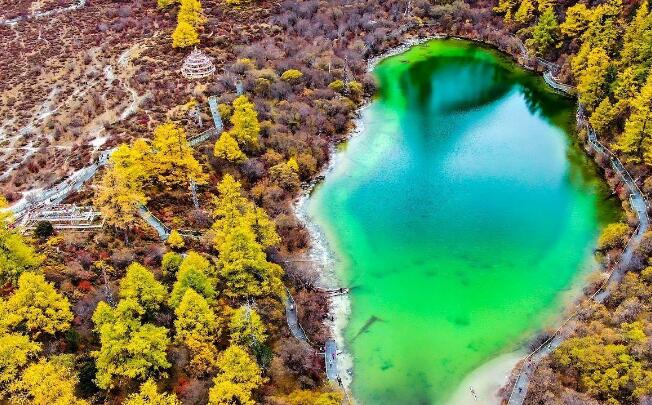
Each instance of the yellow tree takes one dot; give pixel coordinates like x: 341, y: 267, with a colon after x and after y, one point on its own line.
x: 636, y: 139
x: 233, y: 209
x: 637, y: 38
x: 577, y: 20
x: 36, y: 307
x: 506, y: 7
x: 129, y: 349
x: 140, y: 285
x: 592, y: 80
x: 16, y: 352
x: 525, y: 12
x: 51, y: 381
x: 246, y: 328
x: 175, y: 240
x: 191, y: 12
x: 245, y: 269
x: 120, y: 191
x: 238, y: 376
x: 307, y: 397
x: 118, y: 199
x: 195, y: 318
x: 193, y: 274
x: 544, y: 33
x: 184, y: 35
x: 173, y: 159
x: 227, y: 148
x: 245, y: 123
x: 203, y: 354
x: 133, y: 161
x: 149, y: 395
x: 16, y: 256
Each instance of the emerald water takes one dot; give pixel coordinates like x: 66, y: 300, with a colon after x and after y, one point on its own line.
x: 462, y: 215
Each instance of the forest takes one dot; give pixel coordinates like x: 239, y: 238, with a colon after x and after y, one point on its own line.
x: 119, y: 316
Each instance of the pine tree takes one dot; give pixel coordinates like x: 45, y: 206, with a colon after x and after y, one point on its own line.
x: 238, y: 376
x: 193, y: 274
x: 245, y: 123
x: 36, y: 307
x: 194, y: 318
x: 227, y: 148
x: 184, y: 35
x: 16, y: 352
x: 544, y: 33
x: 16, y: 256
x: 51, y: 381
x: 129, y: 349
x: 149, y: 395
x: 173, y: 160
x: 140, y: 285
x: 525, y: 12
x: 246, y: 328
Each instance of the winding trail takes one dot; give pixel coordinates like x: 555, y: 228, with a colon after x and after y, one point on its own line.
x: 293, y: 319
x: 640, y: 207
x: 42, y: 14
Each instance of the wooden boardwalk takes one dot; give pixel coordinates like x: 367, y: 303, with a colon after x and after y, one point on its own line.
x: 640, y: 207
x: 330, y: 357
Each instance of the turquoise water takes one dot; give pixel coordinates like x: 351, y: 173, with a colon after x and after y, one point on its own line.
x: 460, y: 215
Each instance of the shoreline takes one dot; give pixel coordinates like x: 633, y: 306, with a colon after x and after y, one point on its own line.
x: 319, y: 250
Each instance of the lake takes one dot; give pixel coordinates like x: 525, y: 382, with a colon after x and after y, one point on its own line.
x: 463, y: 216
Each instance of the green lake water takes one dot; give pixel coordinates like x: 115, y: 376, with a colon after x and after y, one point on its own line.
x: 462, y: 215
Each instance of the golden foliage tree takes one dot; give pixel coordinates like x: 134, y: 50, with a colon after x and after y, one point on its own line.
x: 525, y: 12
x: 149, y: 395
x: 184, y: 35
x: 227, y: 148
x: 193, y: 274
x: 175, y: 240
x: 592, y: 80
x: 191, y: 12
x: 173, y: 160
x: 246, y: 328
x: 129, y: 349
x: 636, y: 139
x: 195, y: 318
x: 120, y: 191
x: 52, y: 381
x: 36, y: 307
x: 16, y: 352
x: 233, y: 209
x: 245, y: 269
x: 245, y: 128
x: 238, y: 376
x: 140, y: 285
x: 306, y: 397
x: 16, y: 255
x: 613, y: 235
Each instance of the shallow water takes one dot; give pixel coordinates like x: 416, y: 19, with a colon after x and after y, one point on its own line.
x: 460, y: 215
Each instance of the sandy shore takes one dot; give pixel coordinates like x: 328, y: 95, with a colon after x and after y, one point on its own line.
x: 486, y: 380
